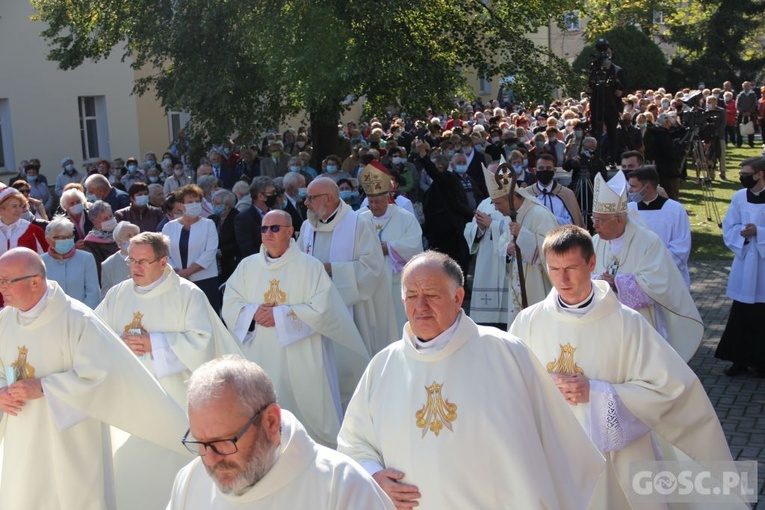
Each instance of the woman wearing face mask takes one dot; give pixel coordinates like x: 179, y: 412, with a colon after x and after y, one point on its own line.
x: 74, y: 204
x: 115, y: 269
x: 99, y: 240
x: 38, y: 185
x: 74, y: 270
x: 223, y: 216
x: 194, y: 245
x: 36, y: 210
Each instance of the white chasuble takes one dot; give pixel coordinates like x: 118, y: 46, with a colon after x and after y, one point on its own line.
x: 312, y: 326
x: 614, y: 344
x: 489, y: 298
x: 644, y: 259
x: 402, y: 233
x: 358, y: 271
x: 57, y: 452
x: 475, y: 424
x: 305, y: 476
x: 536, y: 221
x: 185, y: 333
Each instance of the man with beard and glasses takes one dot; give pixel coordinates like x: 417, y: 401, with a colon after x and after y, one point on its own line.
x: 257, y: 455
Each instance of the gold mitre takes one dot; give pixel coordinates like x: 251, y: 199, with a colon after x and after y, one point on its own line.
x: 498, y: 183
x: 610, y: 197
x: 375, y: 179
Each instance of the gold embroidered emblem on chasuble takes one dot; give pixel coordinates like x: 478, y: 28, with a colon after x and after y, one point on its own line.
x: 21, y: 367
x: 135, y: 323
x: 565, y: 363
x: 437, y: 413
x: 275, y: 296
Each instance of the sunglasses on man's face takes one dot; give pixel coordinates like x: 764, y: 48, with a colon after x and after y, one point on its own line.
x: 273, y: 228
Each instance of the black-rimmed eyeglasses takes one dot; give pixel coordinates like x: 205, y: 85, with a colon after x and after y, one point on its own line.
x: 220, y: 446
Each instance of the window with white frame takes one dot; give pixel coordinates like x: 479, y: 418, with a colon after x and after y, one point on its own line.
x: 485, y: 85
x: 177, y: 121
x: 571, y: 19
x: 94, y: 132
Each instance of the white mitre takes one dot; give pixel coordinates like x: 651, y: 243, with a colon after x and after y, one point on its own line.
x: 610, y: 197
x: 498, y: 185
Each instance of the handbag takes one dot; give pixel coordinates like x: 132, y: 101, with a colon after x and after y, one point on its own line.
x: 746, y: 128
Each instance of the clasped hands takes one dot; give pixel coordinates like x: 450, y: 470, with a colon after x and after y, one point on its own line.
x: 264, y: 316
x: 574, y: 388
x: 140, y: 344
x: 15, y: 396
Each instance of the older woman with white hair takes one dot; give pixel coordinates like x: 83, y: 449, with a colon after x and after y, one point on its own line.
x: 74, y: 270
x: 100, y: 240
x: 209, y: 185
x: 74, y: 204
x: 115, y: 268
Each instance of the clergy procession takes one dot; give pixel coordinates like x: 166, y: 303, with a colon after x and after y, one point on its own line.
x: 290, y: 345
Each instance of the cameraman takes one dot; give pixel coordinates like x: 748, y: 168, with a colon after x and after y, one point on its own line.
x: 661, y: 150
x: 605, y: 87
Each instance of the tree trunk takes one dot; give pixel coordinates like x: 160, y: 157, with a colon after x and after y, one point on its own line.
x: 324, y: 119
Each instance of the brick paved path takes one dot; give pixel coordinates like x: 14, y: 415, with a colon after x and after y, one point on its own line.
x: 739, y: 401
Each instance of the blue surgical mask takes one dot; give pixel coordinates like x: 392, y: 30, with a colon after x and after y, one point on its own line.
x: 331, y: 169
x: 31, y: 178
x: 150, y: 163
x: 302, y: 192
x: 132, y: 168
x: 142, y: 200
x: 64, y: 246
x: 76, y: 209
x: 587, y: 152
x: 638, y: 196
x: 348, y: 195
x: 294, y: 169
x: 451, y: 153
x: 518, y: 168
x: 219, y: 209
x: 153, y: 178
x: 460, y: 169
x: 92, y: 198
x: 216, y: 166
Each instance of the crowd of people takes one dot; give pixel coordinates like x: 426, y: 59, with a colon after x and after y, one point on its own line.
x: 470, y: 234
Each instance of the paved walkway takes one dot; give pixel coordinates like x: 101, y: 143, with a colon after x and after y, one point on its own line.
x: 739, y: 401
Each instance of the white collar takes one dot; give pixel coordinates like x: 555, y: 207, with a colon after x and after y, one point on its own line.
x: 436, y: 344
x: 153, y: 285
x: 30, y: 315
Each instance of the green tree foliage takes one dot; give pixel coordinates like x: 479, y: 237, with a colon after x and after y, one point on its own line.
x: 642, y: 60
x: 244, y: 65
x: 718, y: 40
x: 605, y: 15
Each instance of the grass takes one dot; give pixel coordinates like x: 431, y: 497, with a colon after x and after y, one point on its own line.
x: 706, y: 235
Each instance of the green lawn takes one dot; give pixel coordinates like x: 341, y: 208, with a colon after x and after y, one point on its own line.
x: 707, y: 236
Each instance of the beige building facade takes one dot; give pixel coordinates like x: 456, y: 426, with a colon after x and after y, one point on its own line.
x: 87, y: 114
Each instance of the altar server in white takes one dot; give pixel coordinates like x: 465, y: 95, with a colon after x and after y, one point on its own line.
x: 663, y: 216
x: 283, y: 308
x: 628, y: 388
x: 73, y: 377
x: 744, y: 235
x: 457, y: 416
x: 169, y: 324
x: 255, y: 455
x: 350, y: 250
x: 532, y: 223
x: 639, y: 268
x: 399, y: 231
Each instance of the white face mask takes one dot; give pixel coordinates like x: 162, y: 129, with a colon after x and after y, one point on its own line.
x: 193, y: 209
x: 109, y: 225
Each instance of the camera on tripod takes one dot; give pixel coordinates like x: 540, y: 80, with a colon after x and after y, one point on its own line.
x: 601, y: 60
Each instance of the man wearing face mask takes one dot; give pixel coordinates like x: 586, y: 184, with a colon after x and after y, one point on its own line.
x: 135, y: 173
x: 293, y: 184
x: 664, y: 216
x: 98, y: 188
x: 560, y: 200
x: 495, y: 149
x: 247, y: 223
x: 140, y: 212
x: 744, y: 235
x: 475, y: 162
x: 469, y: 184
x: 68, y: 175
x: 276, y: 163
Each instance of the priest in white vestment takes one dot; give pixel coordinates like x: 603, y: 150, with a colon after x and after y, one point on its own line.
x: 489, y: 298
x: 399, y: 231
x: 630, y: 391
x: 639, y: 268
x: 283, y: 308
x: 458, y: 416
x: 169, y: 324
x: 532, y: 223
x: 255, y: 455
x: 350, y: 250
x: 665, y: 217
x: 73, y: 378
